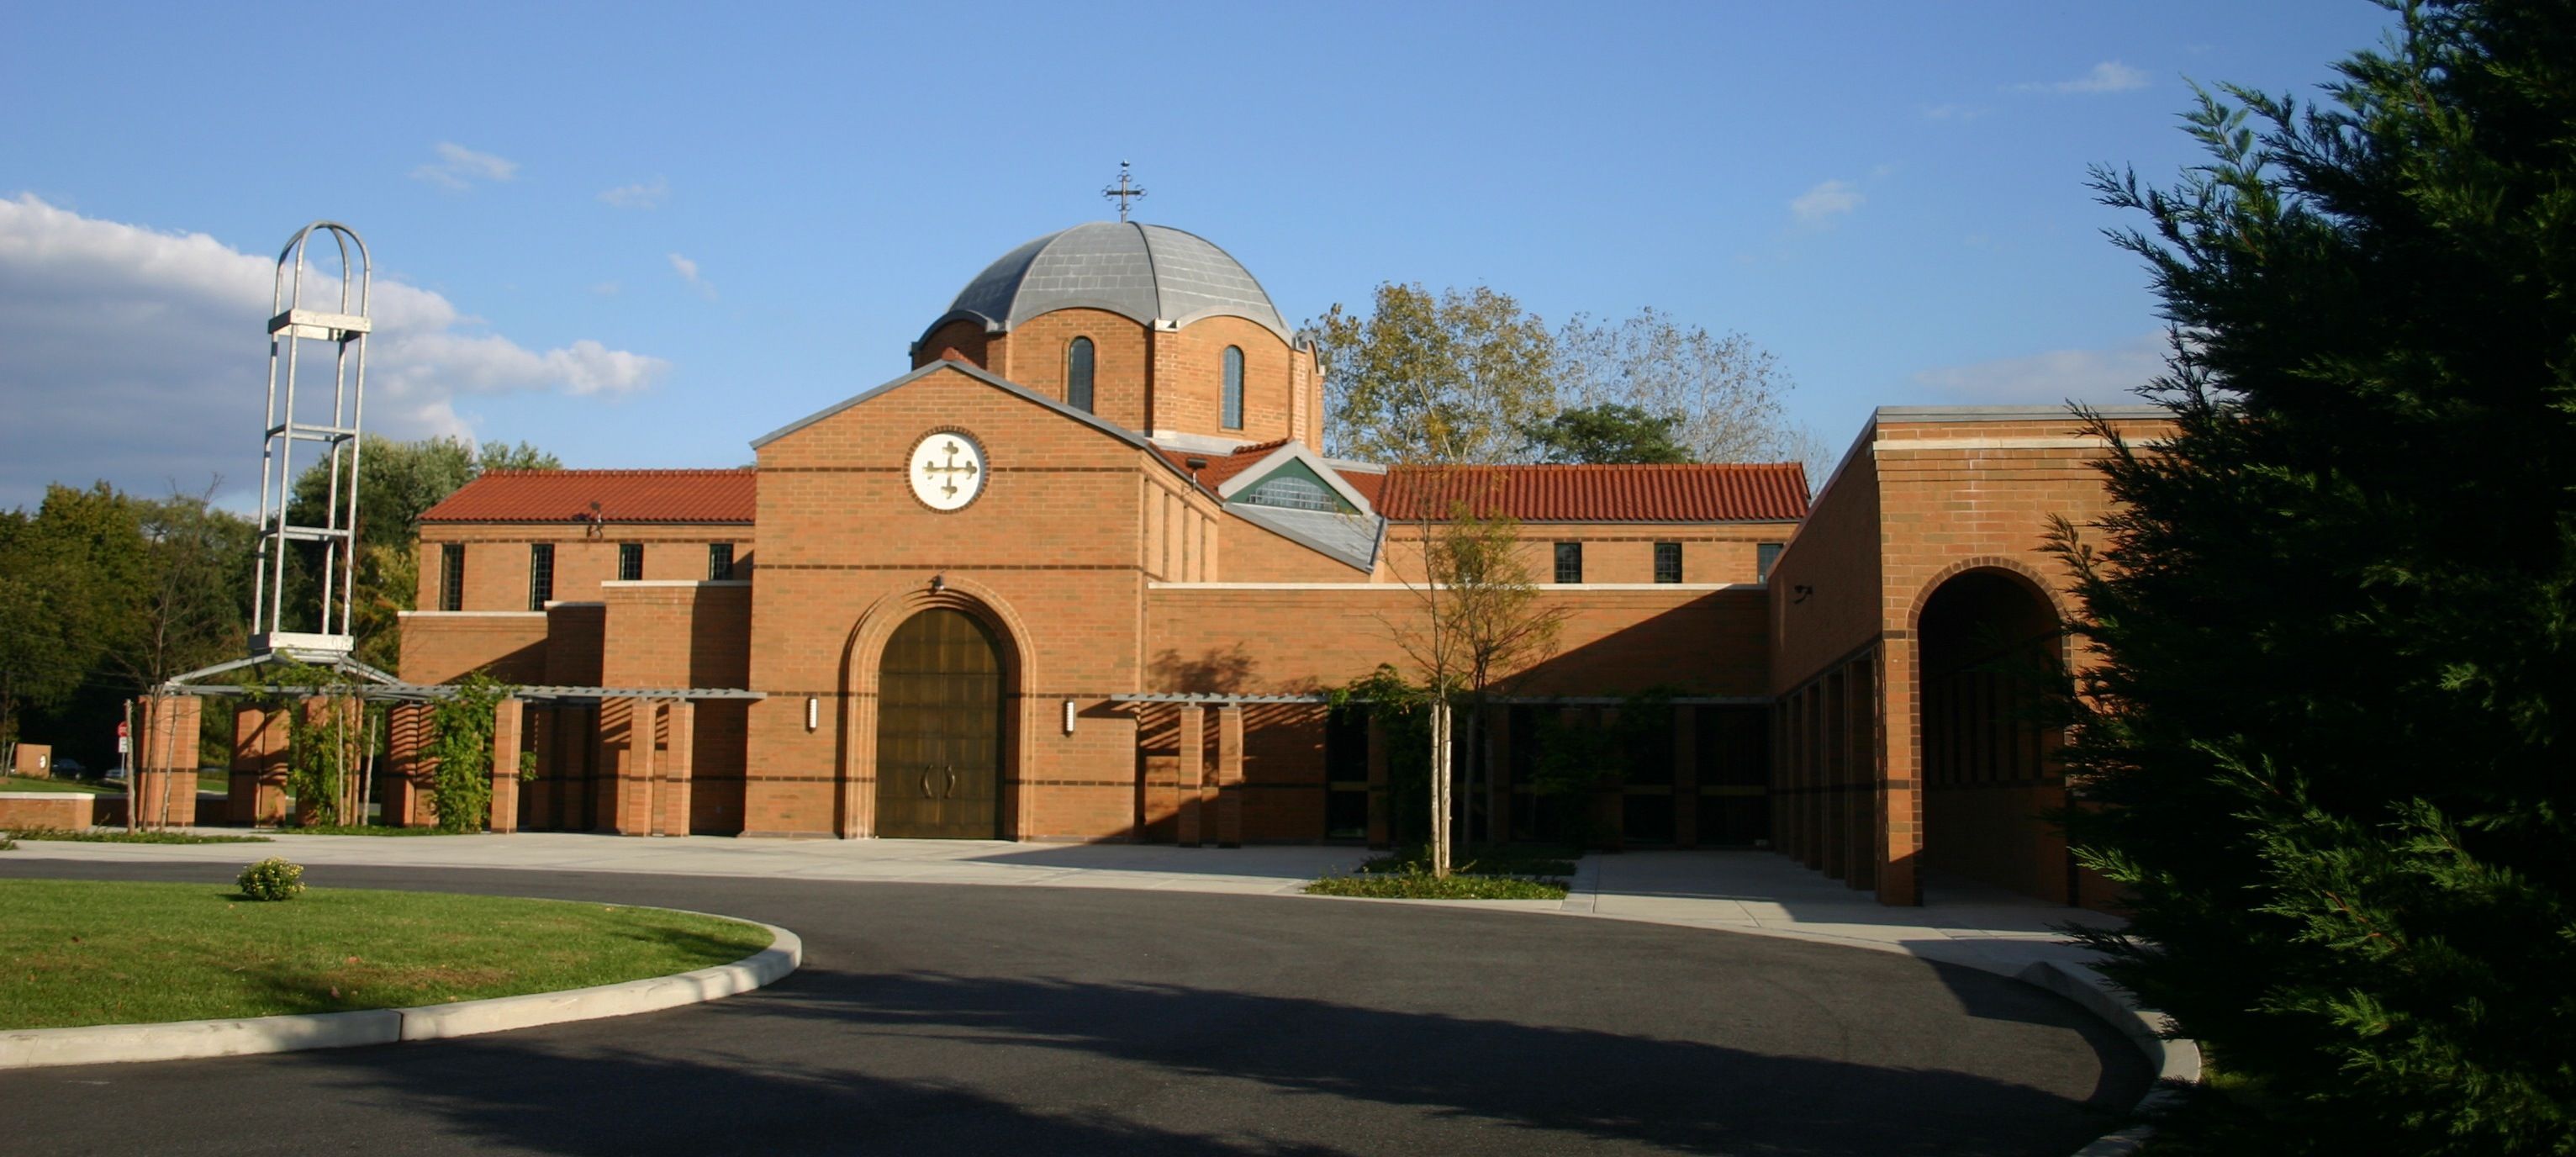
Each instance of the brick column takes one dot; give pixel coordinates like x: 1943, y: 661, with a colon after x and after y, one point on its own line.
x: 164, y: 784
x: 671, y: 817
x: 1377, y: 799
x: 398, y: 794
x: 1686, y: 775
x: 543, y: 726
x: 634, y: 769
x: 1861, y: 761
x: 259, y: 767
x: 507, y: 716
x: 1229, y: 776
x: 1901, y: 753
x: 1193, y: 765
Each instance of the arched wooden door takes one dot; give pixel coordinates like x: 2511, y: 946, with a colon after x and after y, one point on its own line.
x: 939, y: 730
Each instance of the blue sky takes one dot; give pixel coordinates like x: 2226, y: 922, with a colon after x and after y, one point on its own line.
x: 643, y: 236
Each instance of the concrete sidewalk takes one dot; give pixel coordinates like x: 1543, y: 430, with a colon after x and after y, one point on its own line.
x: 1740, y: 891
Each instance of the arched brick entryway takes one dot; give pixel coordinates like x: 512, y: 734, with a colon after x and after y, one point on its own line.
x: 1991, y: 653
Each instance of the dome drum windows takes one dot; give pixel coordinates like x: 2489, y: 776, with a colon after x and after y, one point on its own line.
x: 1231, y: 417
x: 1078, y: 363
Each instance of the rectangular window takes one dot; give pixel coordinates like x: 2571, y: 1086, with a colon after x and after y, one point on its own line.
x: 1668, y: 562
x: 451, y: 577
x: 541, y: 575
x: 719, y: 561
x: 630, y: 561
x: 1763, y: 556
x: 1569, y: 562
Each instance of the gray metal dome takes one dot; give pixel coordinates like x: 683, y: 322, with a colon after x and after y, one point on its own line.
x: 1146, y: 272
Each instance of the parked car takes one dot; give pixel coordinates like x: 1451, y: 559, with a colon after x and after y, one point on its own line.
x: 66, y: 767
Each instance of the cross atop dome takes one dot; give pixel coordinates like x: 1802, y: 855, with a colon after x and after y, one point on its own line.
x: 1123, y: 191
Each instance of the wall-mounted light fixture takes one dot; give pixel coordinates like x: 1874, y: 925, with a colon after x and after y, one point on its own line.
x: 938, y: 583
x: 813, y: 713
x: 1068, y: 716
x: 1803, y: 591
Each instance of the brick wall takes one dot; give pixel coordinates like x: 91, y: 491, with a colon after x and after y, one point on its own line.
x: 497, y: 557
x: 442, y: 647
x: 1615, y: 552
x: 1927, y: 496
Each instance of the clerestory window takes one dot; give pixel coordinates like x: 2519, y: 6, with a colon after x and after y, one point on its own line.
x: 1293, y: 493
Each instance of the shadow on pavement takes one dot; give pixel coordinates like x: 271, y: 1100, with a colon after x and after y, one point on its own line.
x: 935, y: 1063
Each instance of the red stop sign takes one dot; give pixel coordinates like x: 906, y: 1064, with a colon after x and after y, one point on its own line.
x: 120, y: 729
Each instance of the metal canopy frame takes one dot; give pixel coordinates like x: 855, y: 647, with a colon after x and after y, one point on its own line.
x: 396, y: 691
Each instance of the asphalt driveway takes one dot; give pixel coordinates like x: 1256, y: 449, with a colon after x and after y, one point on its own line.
x: 963, y: 1019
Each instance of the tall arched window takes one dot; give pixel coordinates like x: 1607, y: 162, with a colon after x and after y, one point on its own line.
x: 1233, y: 418
x: 1077, y: 375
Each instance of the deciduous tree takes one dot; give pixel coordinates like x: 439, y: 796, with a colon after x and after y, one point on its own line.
x: 1452, y: 377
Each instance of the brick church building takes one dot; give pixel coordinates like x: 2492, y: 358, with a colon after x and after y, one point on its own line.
x: 1082, y: 574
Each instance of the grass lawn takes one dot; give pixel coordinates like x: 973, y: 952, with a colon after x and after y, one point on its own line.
x: 122, y: 836
x: 83, y: 786
x: 76, y: 952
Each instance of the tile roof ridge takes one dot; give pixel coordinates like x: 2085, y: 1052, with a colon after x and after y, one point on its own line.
x: 615, y: 471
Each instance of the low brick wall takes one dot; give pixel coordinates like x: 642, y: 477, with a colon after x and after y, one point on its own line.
x: 59, y: 809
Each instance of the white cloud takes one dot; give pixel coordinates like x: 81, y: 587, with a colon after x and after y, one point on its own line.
x: 2101, y: 376
x: 1952, y: 112
x: 459, y: 167
x: 138, y: 356
x: 641, y: 195
x: 1820, y: 205
x: 688, y: 271
x: 2108, y: 76
x: 608, y: 288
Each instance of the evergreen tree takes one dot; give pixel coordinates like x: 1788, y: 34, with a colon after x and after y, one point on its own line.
x: 2326, y: 743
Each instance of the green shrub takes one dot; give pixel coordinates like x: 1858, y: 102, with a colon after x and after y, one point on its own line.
x: 272, y: 879
x: 1419, y: 885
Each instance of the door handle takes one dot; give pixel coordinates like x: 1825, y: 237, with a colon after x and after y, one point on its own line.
x: 952, y: 784
x: 925, y: 786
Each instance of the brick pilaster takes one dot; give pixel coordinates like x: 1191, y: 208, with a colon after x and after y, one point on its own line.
x: 506, y: 719
x: 1193, y: 765
x: 1229, y: 776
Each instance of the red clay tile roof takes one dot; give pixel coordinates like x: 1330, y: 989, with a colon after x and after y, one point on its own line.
x: 1762, y: 492
x: 1221, y: 467
x: 622, y: 495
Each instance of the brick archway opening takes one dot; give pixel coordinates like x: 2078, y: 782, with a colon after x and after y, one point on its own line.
x: 1991, y: 650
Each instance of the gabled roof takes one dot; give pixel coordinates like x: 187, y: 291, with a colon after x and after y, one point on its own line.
x: 989, y: 378
x: 1763, y: 492
x: 1281, y: 454
x: 622, y: 495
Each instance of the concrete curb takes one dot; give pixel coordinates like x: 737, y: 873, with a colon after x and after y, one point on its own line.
x: 196, y: 1039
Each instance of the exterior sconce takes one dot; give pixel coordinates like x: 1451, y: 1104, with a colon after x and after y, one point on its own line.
x: 813, y: 713
x: 938, y: 583
x: 1068, y: 716
x: 1803, y: 591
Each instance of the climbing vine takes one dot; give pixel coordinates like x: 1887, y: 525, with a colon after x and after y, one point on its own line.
x: 325, y: 747
x: 461, y: 742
